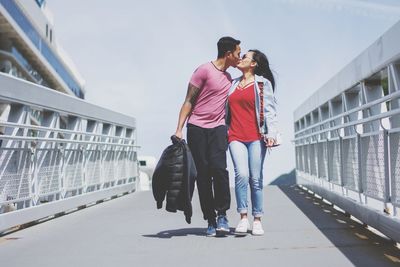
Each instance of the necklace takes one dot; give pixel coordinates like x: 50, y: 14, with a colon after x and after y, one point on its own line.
x: 243, y: 85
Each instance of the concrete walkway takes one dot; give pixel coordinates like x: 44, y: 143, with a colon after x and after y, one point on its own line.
x: 300, y: 230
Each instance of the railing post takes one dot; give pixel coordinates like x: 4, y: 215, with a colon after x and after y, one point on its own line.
x: 317, y: 159
x: 101, y: 150
x: 341, y: 164
x: 85, y: 163
x: 393, y: 152
x: 61, y: 179
x: 328, y: 165
x: 35, y: 181
x: 360, y: 173
x: 387, y: 197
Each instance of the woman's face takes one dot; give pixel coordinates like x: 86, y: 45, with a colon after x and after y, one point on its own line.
x: 247, y: 62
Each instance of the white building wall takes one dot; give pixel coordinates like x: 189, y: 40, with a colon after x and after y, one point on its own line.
x: 37, y: 16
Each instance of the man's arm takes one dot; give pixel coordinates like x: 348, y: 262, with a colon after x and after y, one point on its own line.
x: 190, y: 100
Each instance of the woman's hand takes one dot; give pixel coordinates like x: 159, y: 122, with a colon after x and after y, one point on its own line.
x: 269, y: 142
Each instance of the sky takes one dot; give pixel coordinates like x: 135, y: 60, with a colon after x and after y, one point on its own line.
x: 137, y: 56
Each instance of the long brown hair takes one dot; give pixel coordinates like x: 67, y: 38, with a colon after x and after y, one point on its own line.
x: 262, y: 68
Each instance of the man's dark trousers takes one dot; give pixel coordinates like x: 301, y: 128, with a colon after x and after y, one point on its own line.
x: 208, y: 147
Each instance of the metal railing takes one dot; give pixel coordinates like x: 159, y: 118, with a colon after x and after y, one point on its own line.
x: 58, y: 152
x: 347, y: 137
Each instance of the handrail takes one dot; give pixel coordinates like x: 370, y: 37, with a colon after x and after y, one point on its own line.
x: 43, y: 128
x: 348, y: 124
x: 17, y: 91
x: 360, y: 108
x: 59, y: 140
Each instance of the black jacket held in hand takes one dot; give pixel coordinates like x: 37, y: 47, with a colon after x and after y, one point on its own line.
x: 174, y: 176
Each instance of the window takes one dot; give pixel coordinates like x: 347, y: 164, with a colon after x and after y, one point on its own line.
x: 47, y: 30
x: 51, y: 35
x: 142, y: 163
x: 41, y: 2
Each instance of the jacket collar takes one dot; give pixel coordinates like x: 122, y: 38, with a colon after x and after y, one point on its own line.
x: 259, y: 78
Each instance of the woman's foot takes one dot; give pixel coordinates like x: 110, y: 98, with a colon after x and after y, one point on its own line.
x: 242, y: 226
x: 257, y: 228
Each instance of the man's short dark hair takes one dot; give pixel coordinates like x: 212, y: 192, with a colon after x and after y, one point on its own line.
x: 226, y: 44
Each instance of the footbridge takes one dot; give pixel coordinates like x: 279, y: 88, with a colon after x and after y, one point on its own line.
x: 71, y: 194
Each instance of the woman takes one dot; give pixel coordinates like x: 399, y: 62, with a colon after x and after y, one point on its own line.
x: 251, y: 116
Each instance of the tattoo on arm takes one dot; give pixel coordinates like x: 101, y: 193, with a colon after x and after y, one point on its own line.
x: 192, y: 94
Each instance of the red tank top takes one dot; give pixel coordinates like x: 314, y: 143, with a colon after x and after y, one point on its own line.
x: 243, y: 125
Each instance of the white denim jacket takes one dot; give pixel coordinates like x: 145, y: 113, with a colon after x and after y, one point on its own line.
x: 269, y: 128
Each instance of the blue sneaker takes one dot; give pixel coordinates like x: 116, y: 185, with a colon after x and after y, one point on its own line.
x: 222, y: 225
x: 211, y: 231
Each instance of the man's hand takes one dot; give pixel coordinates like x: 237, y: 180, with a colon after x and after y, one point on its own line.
x: 178, y: 134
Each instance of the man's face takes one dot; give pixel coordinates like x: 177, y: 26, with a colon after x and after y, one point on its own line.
x: 234, y: 57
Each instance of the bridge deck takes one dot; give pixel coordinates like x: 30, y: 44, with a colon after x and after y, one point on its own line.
x: 300, y: 230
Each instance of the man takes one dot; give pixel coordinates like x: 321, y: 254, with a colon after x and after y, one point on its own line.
x: 207, y: 133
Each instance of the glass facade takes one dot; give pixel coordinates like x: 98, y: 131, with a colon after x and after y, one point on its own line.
x: 40, y: 2
x: 21, y: 59
x: 41, y: 45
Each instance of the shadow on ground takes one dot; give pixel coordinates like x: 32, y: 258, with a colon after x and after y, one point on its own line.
x: 185, y: 232
x: 285, y: 179
x: 352, y: 235
x: 178, y: 232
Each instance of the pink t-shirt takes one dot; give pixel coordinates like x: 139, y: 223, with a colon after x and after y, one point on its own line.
x: 214, y: 84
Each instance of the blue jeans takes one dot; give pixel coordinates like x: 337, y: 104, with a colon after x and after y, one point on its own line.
x: 248, y: 159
